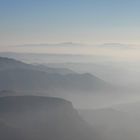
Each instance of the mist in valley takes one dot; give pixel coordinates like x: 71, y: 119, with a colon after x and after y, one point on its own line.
x: 68, y: 100
x: 69, y: 70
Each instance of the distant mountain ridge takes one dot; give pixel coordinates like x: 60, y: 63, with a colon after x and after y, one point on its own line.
x: 16, y: 75
x: 9, y: 63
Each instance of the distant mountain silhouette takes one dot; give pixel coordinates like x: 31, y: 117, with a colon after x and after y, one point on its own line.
x: 42, y: 118
x: 16, y: 75
x: 8, y: 63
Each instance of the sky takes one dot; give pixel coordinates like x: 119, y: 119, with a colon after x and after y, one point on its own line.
x: 80, y: 21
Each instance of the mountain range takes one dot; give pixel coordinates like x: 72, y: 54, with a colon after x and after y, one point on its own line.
x: 16, y: 75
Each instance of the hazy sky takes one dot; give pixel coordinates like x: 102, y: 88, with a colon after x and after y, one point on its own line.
x: 84, y: 21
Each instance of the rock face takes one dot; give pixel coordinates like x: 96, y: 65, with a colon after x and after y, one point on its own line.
x: 41, y: 118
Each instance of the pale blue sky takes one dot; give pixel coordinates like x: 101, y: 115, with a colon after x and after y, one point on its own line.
x: 83, y: 21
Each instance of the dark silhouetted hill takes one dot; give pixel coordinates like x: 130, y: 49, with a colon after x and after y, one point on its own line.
x: 42, y: 118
